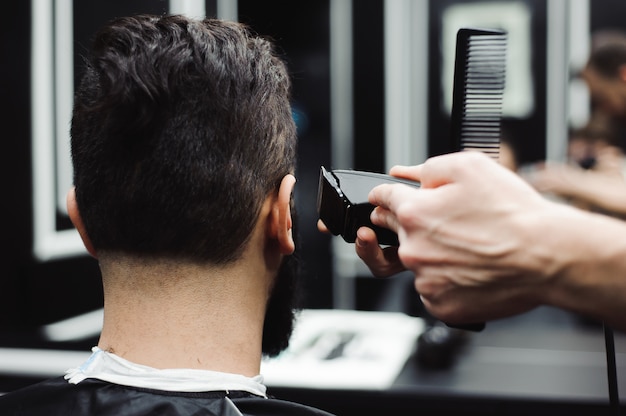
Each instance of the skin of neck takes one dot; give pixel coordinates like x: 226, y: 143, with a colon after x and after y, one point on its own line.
x: 165, y: 313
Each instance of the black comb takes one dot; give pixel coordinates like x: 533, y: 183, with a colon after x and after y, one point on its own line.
x: 479, y: 76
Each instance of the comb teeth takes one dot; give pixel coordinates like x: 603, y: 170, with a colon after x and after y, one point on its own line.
x: 479, y: 79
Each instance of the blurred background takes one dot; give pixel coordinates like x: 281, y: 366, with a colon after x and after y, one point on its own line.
x: 372, y: 88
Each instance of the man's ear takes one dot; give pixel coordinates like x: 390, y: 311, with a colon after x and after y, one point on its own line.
x: 74, y: 213
x: 281, y: 222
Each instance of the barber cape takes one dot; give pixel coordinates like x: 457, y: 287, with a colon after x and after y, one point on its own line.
x: 109, y: 385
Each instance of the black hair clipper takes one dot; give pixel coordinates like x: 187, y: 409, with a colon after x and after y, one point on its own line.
x: 343, y: 206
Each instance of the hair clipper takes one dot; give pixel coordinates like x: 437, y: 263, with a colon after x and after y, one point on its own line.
x: 343, y: 206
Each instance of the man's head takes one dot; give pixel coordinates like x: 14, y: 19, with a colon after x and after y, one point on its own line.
x: 605, y: 72
x: 181, y: 130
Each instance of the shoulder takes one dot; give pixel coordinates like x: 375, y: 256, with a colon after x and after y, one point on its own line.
x: 58, y: 397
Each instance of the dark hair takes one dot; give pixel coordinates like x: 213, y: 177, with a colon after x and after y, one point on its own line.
x: 180, y: 130
x: 608, y: 52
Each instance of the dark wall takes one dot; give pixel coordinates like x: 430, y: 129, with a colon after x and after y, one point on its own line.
x: 607, y: 14
x: 369, y: 90
x: 14, y: 119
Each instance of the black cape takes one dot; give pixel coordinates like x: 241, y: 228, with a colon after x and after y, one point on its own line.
x: 95, y: 397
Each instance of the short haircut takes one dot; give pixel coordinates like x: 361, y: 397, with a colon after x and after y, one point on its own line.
x: 181, y: 128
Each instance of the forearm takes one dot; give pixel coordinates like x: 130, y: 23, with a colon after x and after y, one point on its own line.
x: 606, y: 193
x: 602, y: 190
x: 589, y: 268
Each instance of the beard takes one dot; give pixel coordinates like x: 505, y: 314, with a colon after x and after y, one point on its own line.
x: 282, y: 306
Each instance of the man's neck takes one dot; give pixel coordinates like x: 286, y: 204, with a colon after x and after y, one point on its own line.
x: 185, y: 316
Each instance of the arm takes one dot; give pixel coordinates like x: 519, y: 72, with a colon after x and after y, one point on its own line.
x: 603, y: 190
x: 483, y: 244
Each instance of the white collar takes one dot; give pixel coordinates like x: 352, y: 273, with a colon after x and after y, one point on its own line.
x: 109, y: 367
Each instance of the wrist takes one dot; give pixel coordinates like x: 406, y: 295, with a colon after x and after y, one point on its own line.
x: 546, y: 257
x: 586, y: 274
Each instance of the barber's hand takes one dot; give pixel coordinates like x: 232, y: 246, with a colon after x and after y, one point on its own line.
x: 466, y: 234
x: 382, y: 262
